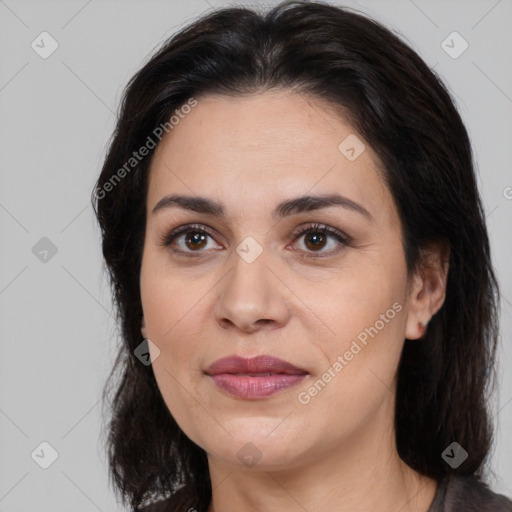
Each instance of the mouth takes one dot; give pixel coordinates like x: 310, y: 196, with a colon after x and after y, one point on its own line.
x: 260, y: 365
x: 256, y: 377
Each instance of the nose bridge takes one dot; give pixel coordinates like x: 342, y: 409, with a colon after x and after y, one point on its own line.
x: 250, y: 292
x: 248, y: 281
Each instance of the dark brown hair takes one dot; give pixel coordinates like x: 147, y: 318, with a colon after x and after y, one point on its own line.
x: 406, y: 114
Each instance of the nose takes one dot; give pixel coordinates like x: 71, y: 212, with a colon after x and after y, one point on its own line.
x: 251, y: 297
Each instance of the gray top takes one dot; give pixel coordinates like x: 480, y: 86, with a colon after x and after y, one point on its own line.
x: 457, y: 493
x: 454, y: 493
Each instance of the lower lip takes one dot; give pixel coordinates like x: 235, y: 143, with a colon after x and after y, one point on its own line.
x: 245, y: 386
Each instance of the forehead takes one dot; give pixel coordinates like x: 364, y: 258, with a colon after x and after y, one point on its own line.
x: 262, y: 148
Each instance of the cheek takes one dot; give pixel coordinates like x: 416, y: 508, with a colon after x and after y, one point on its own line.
x: 363, y: 306
x: 180, y: 398
x: 361, y: 300
x: 351, y: 390
x: 171, y: 303
x: 171, y: 298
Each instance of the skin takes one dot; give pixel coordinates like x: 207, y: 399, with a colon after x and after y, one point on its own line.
x: 337, y: 452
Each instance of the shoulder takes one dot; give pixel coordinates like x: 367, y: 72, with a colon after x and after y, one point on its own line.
x: 457, y: 493
x: 179, y: 501
x: 159, y: 506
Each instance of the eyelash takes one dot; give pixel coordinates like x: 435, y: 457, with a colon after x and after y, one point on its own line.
x: 343, y: 239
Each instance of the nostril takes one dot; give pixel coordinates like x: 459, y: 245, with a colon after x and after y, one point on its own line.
x: 264, y: 321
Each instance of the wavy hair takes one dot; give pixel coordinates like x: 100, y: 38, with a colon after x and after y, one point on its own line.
x: 405, y: 112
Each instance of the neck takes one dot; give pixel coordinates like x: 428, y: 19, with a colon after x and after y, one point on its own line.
x: 359, y: 474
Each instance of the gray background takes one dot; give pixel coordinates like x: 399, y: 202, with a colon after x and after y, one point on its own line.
x: 57, y: 330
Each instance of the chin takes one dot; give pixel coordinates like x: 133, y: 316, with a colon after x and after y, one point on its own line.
x: 257, y: 445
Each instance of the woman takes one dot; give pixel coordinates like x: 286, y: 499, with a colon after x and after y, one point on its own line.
x: 299, y: 257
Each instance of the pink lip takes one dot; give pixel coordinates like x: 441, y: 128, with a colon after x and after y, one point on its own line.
x: 239, y: 376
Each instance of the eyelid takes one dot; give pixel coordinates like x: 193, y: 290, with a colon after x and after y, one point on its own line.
x: 323, y: 228
x: 168, y: 237
x: 343, y: 239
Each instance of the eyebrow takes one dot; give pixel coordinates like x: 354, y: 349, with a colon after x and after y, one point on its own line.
x: 289, y: 207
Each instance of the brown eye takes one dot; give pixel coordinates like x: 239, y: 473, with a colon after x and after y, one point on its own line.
x: 315, y: 241
x: 189, y: 240
x: 317, y: 237
x: 195, y: 240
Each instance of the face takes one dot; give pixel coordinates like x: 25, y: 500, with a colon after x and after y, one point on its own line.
x: 251, y: 272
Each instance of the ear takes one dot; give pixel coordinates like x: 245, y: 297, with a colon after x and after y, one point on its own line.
x: 143, y: 329
x: 427, y: 290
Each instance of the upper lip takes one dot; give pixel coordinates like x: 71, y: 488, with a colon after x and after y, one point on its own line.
x: 259, y: 364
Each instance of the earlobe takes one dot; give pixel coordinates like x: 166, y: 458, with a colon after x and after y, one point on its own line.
x: 417, y: 322
x: 428, y: 292
x: 143, y: 329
